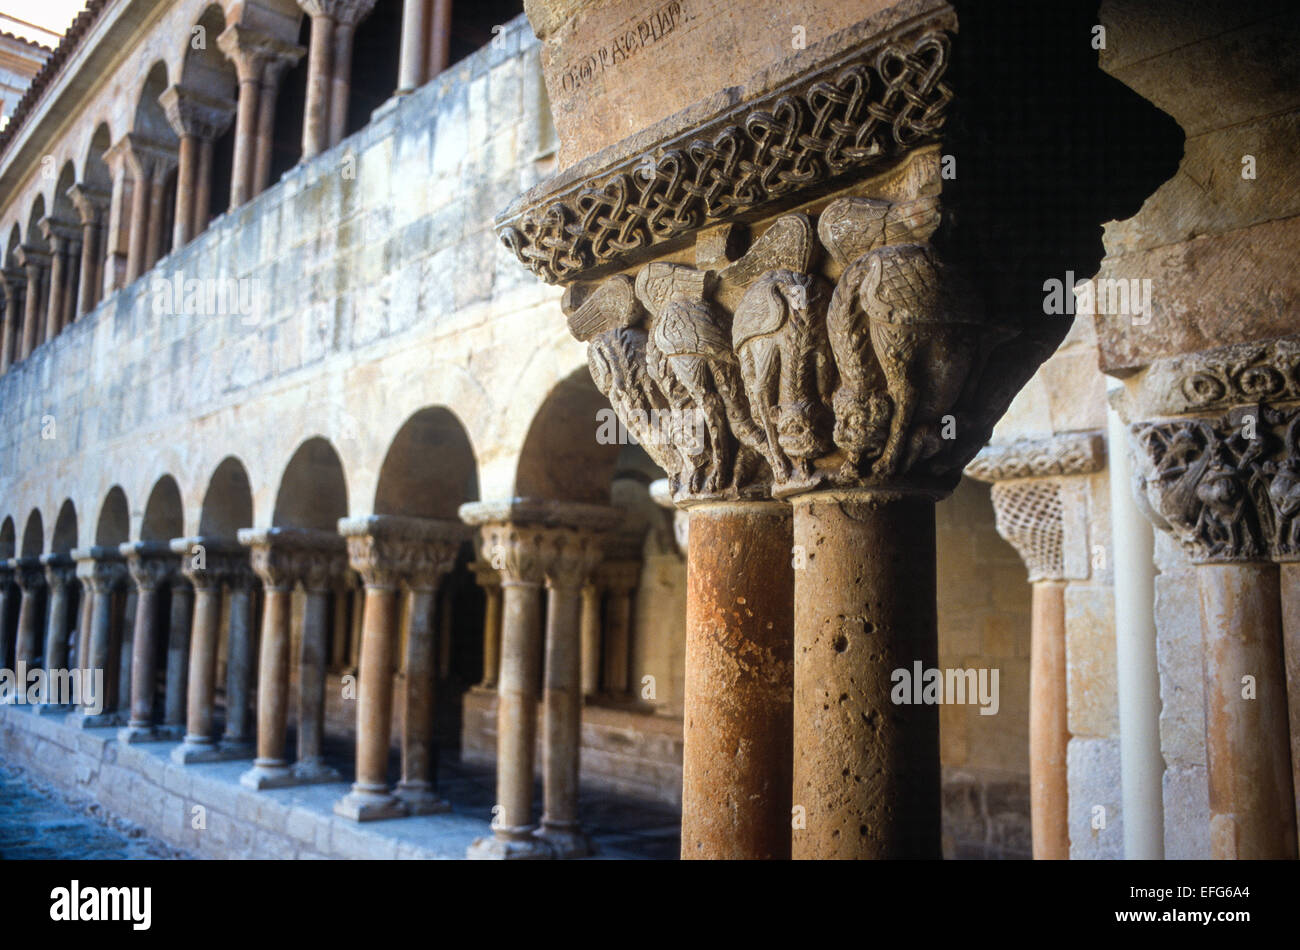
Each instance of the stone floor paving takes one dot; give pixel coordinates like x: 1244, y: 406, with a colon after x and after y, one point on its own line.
x: 38, y: 822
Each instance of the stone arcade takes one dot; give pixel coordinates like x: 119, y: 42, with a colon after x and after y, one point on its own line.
x: 371, y: 516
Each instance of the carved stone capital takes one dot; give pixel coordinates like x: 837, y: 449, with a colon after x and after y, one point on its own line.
x: 207, y: 561
x: 485, y: 575
x: 190, y: 112
x: 29, y: 575
x: 252, y: 50
x: 60, y: 570
x: 31, y: 258
x: 1227, y: 487
x: 532, y: 542
x: 58, y: 232
x: 91, y: 203
x: 1064, y: 453
x: 619, y: 577
x: 141, y: 155
x: 102, y: 569
x: 1214, y: 380
x: 391, y: 550
x: 350, y: 12
x: 282, y: 557
x: 1045, y: 520
x: 150, y: 563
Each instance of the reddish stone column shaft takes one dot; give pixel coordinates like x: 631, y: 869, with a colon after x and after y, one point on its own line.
x: 88, y: 283
x: 1289, y: 574
x: 203, y: 665
x: 316, y: 117
x: 341, y: 82
x: 411, y: 66
x: 491, y: 636
x: 84, y: 614
x: 736, y: 765
x: 144, y: 665
x: 58, y: 264
x: 32, y: 308
x: 273, y: 679
x: 311, y: 677
x: 375, y: 689
x: 180, y: 614
x: 1247, y: 744
x: 105, y: 643
x: 29, y: 627
x: 241, y: 176
x: 266, y: 102
x: 417, y: 713
x: 866, y: 770
x: 1048, y: 729
x: 517, y: 707
x: 590, y: 640
x: 202, y: 209
x: 56, y: 627
x: 186, y: 190
x: 562, y: 711
x: 241, y: 669
x: 137, y: 247
x: 439, y: 45
x: 157, y: 209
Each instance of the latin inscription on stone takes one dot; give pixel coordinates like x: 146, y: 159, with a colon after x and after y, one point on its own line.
x: 636, y: 36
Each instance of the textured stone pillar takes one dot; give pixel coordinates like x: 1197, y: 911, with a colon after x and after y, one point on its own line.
x: 163, y: 170
x: 203, y: 561
x: 281, y: 557
x: 251, y: 52
x: 618, y: 579
x: 91, y: 205
x: 410, y: 70
x: 490, y: 581
x: 31, y: 582
x: 320, y: 77
x: 736, y: 764
x: 320, y: 572
x: 1045, y: 520
x: 180, y: 613
x: 589, y: 639
x: 150, y: 564
x: 104, y: 571
x: 60, y: 574
x: 1195, y: 478
x: 34, y: 262
x: 439, y: 44
x: 866, y: 770
x: 1289, y: 577
x: 386, y: 551
x: 198, y: 120
x: 142, y: 171
x: 348, y: 15
x: 272, y: 73
x: 11, y: 283
x: 59, y: 235
x: 569, y: 556
x: 237, y: 741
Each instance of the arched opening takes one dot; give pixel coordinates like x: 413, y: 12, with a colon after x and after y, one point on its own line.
x: 313, y: 492
x: 163, y: 518
x: 155, y: 133
x: 563, y: 457
x: 114, y: 524
x: 65, y: 529
x: 428, y: 472
x: 65, y: 244
x: 228, y: 501
x: 33, y: 535
x: 206, y: 72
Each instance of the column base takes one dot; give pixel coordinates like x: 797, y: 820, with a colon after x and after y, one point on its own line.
x: 566, y: 841
x: 84, y: 720
x: 267, y: 773
x: 170, y: 732
x: 52, y: 709
x: 420, y: 799
x: 237, y: 749
x: 363, y: 805
x: 526, y: 848
x: 314, y: 772
x: 194, y: 750
x: 133, y: 735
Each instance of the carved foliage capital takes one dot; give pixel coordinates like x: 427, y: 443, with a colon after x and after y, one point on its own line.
x: 1066, y: 453
x: 389, y: 551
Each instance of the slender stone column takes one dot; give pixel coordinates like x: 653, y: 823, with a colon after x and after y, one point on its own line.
x: 198, y: 120
x: 34, y: 262
x: 11, y: 283
x: 162, y: 172
x: 1289, y: 577
x: 320, y: 55
x: 320, y: 571
x: 124, y: 621
x: 277, y: 560
x: 410, y: 70
x: 142, y: 171
x: 341, y: 616
x: 104, y: 571
x: 86, y: 604
x: 349, y: 14
x: 60, y: 573
x: 589, y: 637
x: 490, y: 581
x: 619, y: 579
x: 1044, y: 519
x: 113, y: 272
x: 520, y: 537
x: 386, y: 550
x: 1195, y: 477
x: 59, y: 235
x: 150, y: 564
x: 203, y: 561
x: 30, y: 578
x: 71, y: 277
x: 439, y: 38
x: 179, y: 625
x: 274, y: 70
x: 250, y: 51
x: 570, y: 555
x: 237, y: 742
x: 7, y: 592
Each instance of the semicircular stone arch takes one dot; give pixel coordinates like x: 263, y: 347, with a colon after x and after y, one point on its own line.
x: 313, y: 491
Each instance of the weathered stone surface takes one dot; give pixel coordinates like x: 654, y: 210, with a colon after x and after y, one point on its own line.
x: 1096, y: 828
